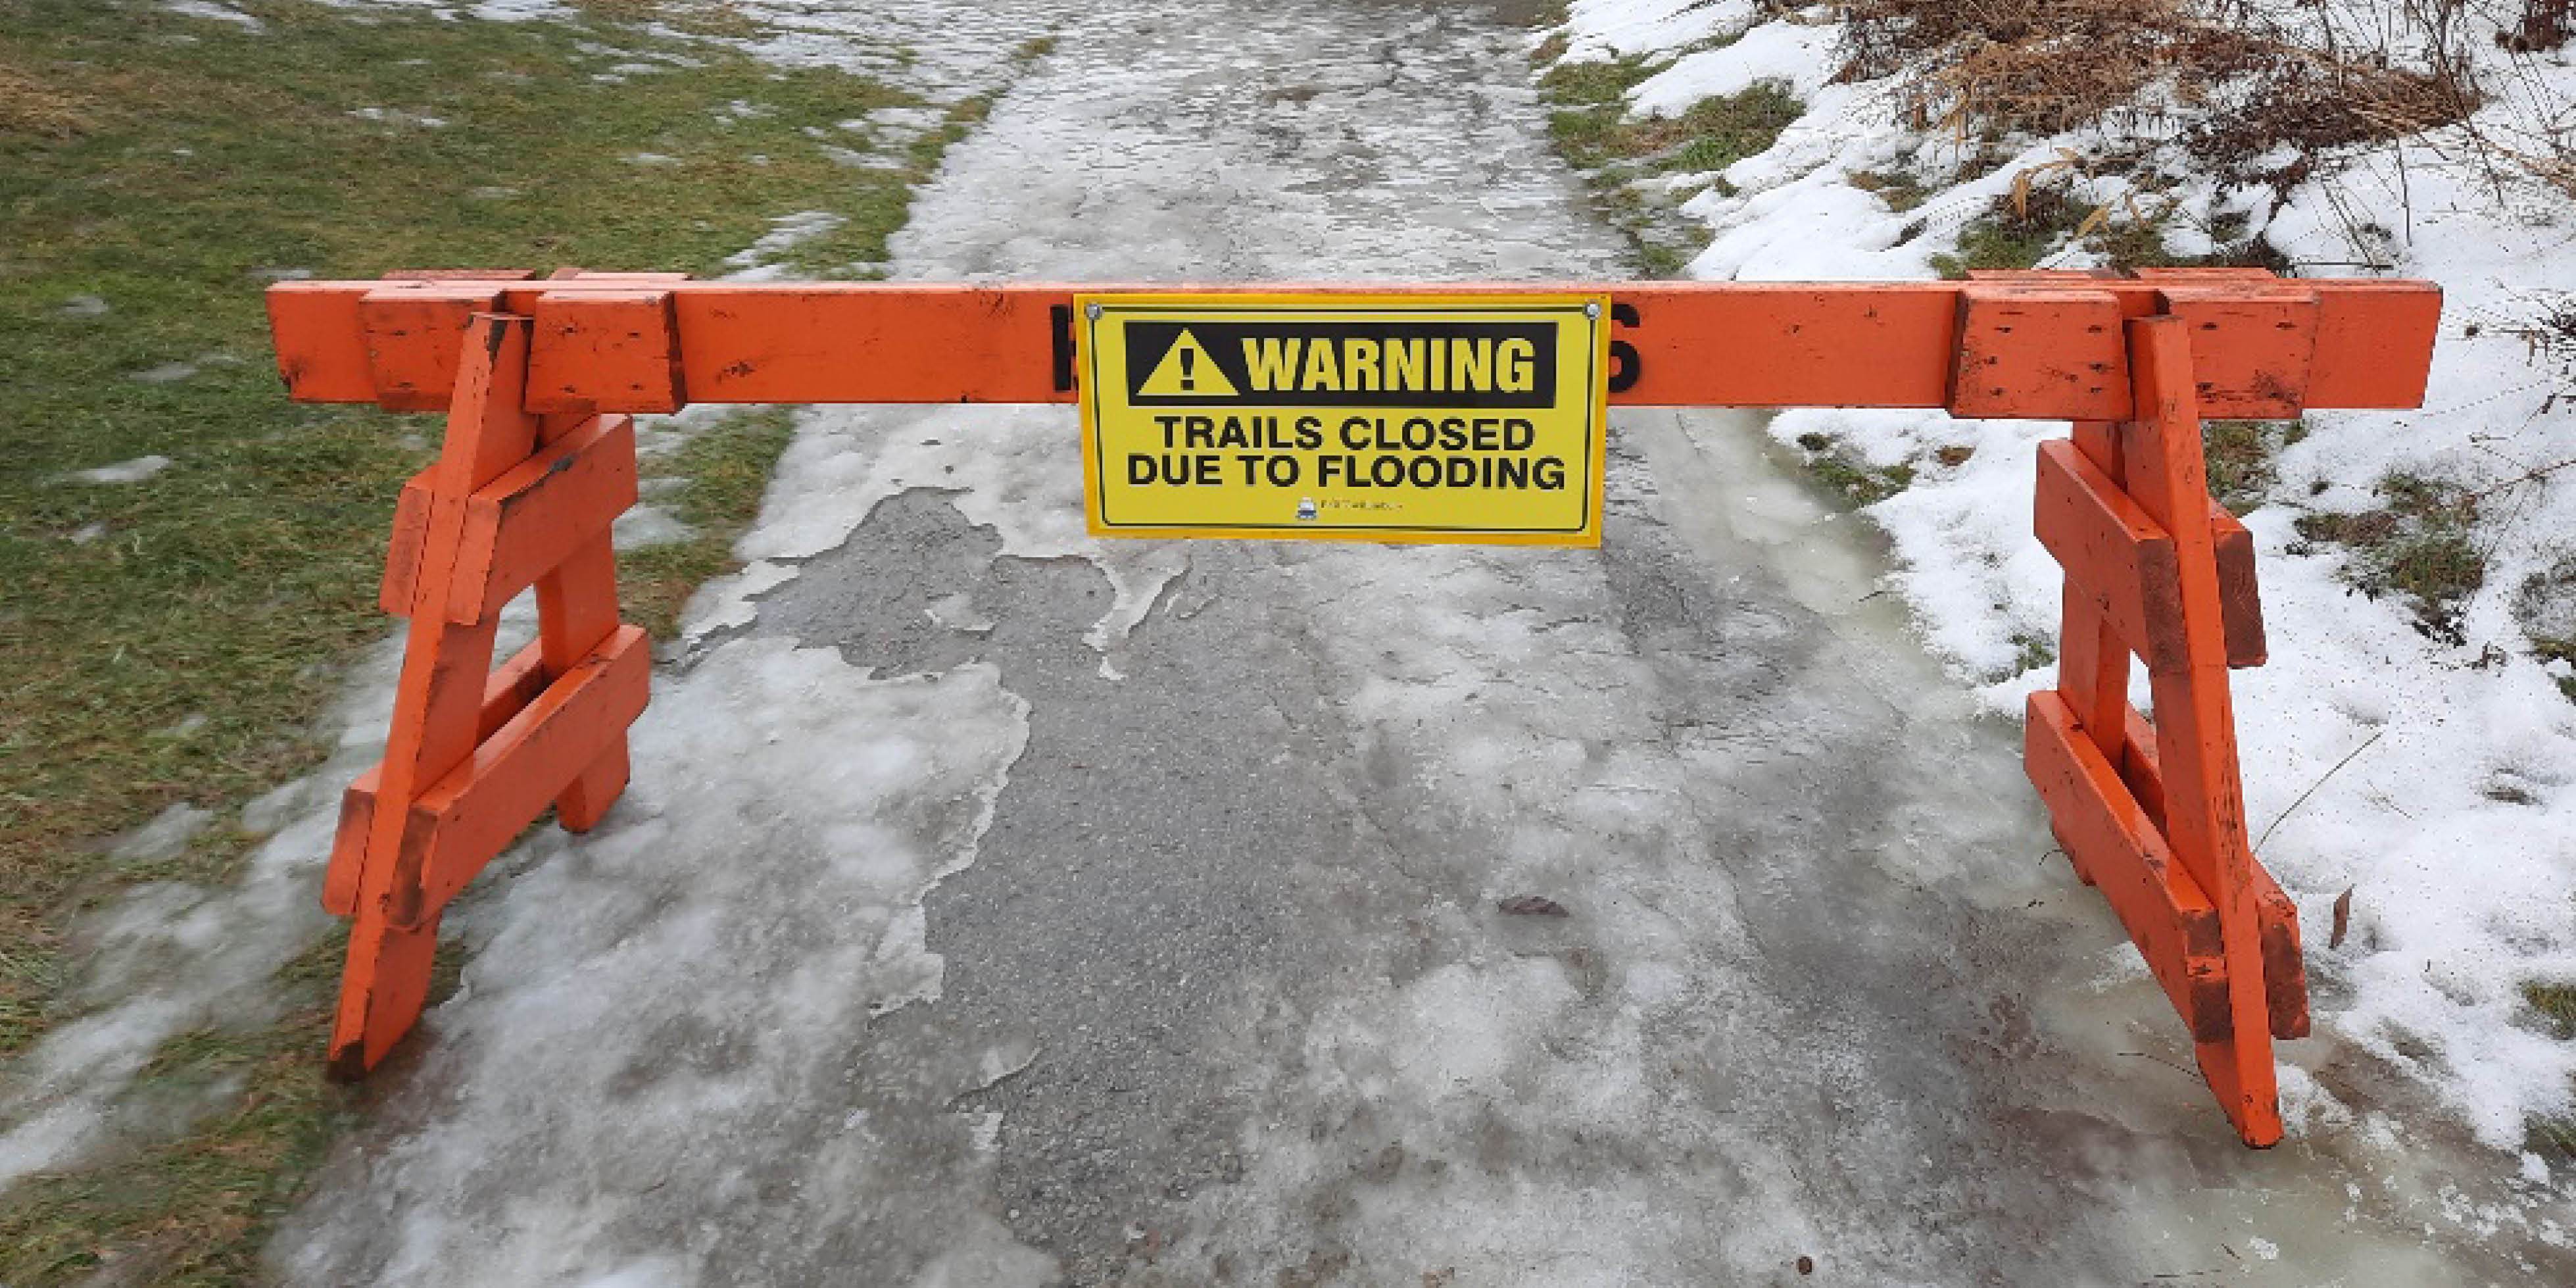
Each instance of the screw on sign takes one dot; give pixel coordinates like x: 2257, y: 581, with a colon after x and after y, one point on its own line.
x: 1412, y: 413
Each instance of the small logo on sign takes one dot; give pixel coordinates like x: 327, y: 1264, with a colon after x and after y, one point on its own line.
x: 1306, y: 510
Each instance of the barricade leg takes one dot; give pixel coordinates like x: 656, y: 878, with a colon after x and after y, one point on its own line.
x: 2092, y: 662
x: 576, y: 613
x: 2153, y: 813
x: 2195, y: 722
x: 439, y: 701
x: 474, y: 755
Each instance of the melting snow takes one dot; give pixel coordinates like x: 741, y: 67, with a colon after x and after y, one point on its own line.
x: 131, y: 471
x: 2461, y: 891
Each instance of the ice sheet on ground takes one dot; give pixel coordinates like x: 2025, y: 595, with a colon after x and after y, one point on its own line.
x: 657, y: 1030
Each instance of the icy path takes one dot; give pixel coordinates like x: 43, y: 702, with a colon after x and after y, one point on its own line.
x: 992, y: 907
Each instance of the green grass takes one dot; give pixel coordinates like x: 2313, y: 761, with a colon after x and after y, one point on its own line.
x: 2545, y: 608
x: 2554, y: 1003
x: 2031, y: 652
x: 1901, y: 191
x: 2420, y: 544
x: 722, y: 471
x: 1864, y: 484
x: 2241, y: 457
x: 1718, y: 132
x: 169, y: 640
x: 1589, y: 125
x: 2007, y: 235
x: 1594, y: 83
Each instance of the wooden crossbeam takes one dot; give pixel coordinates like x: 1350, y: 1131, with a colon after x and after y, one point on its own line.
x: 619, y: 344
x: 2125, y: 563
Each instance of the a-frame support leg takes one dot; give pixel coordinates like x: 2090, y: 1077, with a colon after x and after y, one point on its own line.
x: 2092, y: 660
x: 576, y: 613
x: 438, y: 702
x: 2195, y: 720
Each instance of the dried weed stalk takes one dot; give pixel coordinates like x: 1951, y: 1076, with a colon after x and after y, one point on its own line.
x: 2047, y: 66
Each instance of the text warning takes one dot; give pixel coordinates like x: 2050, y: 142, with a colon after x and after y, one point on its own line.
x: 1386, y: 418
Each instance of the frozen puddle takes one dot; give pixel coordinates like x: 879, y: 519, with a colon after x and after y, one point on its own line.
x: 666, y: 1062
x: 997, y: 907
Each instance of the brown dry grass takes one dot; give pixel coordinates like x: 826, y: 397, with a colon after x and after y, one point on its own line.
x: 2047, y: 66
x: 31, y: 106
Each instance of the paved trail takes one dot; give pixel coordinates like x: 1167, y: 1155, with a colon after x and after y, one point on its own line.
x: 993, y: 907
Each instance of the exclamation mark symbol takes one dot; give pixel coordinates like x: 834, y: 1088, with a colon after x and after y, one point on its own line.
x: 1189, y: 359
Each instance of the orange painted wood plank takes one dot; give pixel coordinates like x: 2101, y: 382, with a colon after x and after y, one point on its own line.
x: 624, y: 344
x: 576, y: 611
x: 1697, y: 343
x: 2285, y: 969
x: 2166, y: 913
x: 620, y: 671
x: 506, y: 692
x: 2093, y: 670
x: 2240, y: 595
x: 412, y: 331
x: 438, y: 700
x: 520, y: 526
x: 321, y: 343
x: 2374, y: 344
x: 2195, y: 716
x: 464, y: 820
x: 2252, y: 343
x: 2123, y: 563
x: 2118, y: 558
x: 402, y: 551
x: 2026, y: 343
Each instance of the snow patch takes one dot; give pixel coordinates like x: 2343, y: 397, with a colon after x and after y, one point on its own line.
x: 2460, y: 889
x: 167, y: 834
x: 397, y: 116
x: 130, y: 471
x: 758, y: 261
x: 649, y: 525
x: 216, y: 12
x: 166, y: 958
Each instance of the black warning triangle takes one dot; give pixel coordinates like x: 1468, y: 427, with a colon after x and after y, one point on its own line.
x: 1186, y: 371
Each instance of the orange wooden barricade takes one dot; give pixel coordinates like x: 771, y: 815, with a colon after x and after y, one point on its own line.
x: 537, y: 377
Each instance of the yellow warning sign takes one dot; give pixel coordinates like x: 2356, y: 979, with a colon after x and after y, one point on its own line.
x: 1361, y: 417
